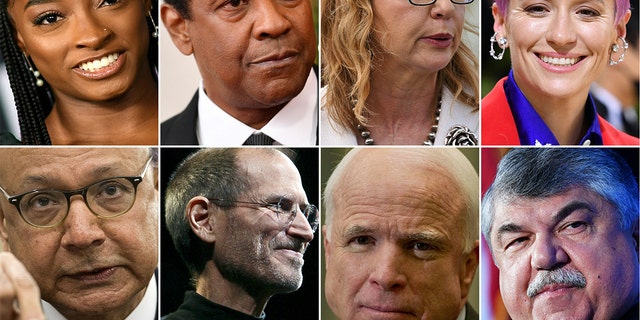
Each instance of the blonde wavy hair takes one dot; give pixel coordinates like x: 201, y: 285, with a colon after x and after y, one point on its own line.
x: 348, y: 55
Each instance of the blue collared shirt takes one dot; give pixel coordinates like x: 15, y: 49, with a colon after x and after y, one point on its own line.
x: 531, y: 128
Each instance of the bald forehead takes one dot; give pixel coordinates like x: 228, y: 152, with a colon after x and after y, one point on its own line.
x: 414, y: 164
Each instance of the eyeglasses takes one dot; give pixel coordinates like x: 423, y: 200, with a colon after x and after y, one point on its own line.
x: 284, y: 208
x: 108, y: 198
x: 422, y: 3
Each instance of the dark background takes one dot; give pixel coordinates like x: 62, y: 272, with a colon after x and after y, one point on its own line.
x: 174, y: 277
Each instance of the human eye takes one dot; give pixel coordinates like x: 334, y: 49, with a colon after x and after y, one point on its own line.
x: 360, y: 243
x: 48, y: 18
x: 42, y: 203
x: 108, y: 3
x: 230, y: 4
x: 111, y: 189
x: 588, y: 12
x: 515, y: 242
x: 574, y: 227
x: 536, y: 10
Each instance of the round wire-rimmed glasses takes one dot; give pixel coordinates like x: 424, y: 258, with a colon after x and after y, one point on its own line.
x: 285, y: 209
x: 422, y: 3
x: 108, y: 198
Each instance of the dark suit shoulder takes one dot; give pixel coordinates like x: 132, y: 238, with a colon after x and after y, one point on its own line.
x: 181, y: 128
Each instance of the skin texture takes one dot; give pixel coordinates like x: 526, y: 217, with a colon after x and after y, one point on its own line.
x: 253, y: 57
x: 555, y: 233
x: 561, y: 29
x: 255, y: 255
x: 54, y: 257
x: 58, y: 36
x: 395, y: 247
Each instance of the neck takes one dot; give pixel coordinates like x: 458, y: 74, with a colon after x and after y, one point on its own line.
x: 402, y: 107
x: 130, y: 119
x: 213, y: 286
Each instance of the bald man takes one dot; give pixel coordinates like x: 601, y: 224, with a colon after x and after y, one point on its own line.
x: 401, y: 234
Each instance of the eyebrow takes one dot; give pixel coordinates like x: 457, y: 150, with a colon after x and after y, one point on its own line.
x: 356, y: 230
x: 564, y: 212
x: 31, y: 3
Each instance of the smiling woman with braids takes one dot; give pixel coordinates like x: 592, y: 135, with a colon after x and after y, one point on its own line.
x: 82, y: 71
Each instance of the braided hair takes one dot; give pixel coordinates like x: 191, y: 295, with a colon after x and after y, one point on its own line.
x: 33, y: 103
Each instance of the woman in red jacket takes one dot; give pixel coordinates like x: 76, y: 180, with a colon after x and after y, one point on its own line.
x: 558, y: 48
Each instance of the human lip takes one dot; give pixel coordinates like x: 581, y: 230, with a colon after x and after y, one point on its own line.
x: 559, y: 60
x: 281, y: 57
x: 384, y: 311
x: 442, y: 40
x: 555, y: 289
x: 93, y: 275
x: 100, y: 66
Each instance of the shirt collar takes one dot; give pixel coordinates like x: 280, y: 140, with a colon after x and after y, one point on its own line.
x: 531, y: 128
x: 146, y: 309
x: 295, y: 125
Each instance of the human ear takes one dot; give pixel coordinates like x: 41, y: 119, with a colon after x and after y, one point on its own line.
x: 176, y: 25
x: 327, y: 250
x: 4, y: 238
x: 621, y: 28
x: 200, y: 217
x: 468, y: 269
x: 498, y: 22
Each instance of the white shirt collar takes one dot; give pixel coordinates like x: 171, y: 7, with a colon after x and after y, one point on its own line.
x: 146, y: 309
x: 295, y: 125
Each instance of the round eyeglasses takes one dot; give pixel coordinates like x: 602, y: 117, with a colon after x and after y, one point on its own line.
x: 422, y: 3
x: 108, y: 198
x: 285, y: 209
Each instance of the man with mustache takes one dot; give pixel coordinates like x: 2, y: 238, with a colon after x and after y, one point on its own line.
x: 401, y: 235
x: 66, y: 222
x: 562, y: 226
x: 241, y: 222
x: 255, y: 58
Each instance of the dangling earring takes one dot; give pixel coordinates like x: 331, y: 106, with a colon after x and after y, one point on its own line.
x: 155, y: 27
x: 615, y: 48
x: 36, y: 73
x: 502, y: 43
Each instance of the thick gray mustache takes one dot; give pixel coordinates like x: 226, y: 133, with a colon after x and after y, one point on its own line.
x: 557, y: 276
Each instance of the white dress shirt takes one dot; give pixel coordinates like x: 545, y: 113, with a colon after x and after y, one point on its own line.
x: 295, y: 125
x: 453, y: 113
x: 146, y: 309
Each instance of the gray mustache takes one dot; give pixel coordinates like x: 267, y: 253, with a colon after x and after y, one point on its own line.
x: 570, y: 277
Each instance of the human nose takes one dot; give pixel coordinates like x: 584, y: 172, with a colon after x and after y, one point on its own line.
x: 270, y: 22
x: 388, y: 264
x: 561, y: 30
x: 81, y: 228
x: 90, y: 32
x: 547, y: 253
x: 442, y: 9
x: 300, y: 228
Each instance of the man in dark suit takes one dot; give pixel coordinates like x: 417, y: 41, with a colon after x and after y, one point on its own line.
x: 255, y: 58
x: 401, y: 235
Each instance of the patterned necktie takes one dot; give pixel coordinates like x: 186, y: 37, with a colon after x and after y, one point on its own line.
x: 259, y: 139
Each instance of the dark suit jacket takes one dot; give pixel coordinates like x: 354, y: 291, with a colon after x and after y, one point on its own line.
x: 471, y: 314
x: 181, y: 128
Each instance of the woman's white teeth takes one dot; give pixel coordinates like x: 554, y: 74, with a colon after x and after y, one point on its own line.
x: 560, y: 61
x: 99, y: 63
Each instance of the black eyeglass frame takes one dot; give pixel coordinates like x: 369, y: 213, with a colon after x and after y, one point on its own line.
x: 463, y: 2
x: 135, y: 181
x: 306, y: 213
